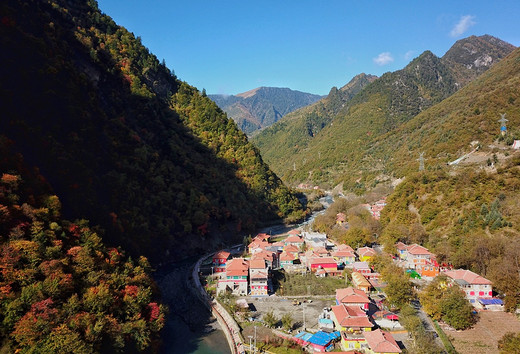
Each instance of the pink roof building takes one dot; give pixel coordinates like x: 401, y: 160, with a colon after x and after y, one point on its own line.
x: 381, y: 342
x: 350, y: 317
x: 475, y: 286
x: 350, y: 296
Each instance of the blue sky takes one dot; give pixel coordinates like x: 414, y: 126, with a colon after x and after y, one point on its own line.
x: 230, y: 47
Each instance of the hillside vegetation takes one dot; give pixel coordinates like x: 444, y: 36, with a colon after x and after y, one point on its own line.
x: 356, y: 146
x: 122, y: 140
x: 469, y: 219
x: 61, y: 289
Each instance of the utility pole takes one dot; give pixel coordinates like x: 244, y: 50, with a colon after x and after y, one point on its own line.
x: 303, y: 308
x: 294, y: 166
x: 421, y: 161
x: 254, y: 350
x: 250, y: 350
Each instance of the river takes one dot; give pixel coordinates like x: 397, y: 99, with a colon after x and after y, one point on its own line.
x: 189, y: 327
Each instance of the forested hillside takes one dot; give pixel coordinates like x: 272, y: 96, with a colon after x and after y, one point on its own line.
x: 351, y: 148
x: 61, y: 289
x: 469, y: 219
x: 121, y: 139
x: 263, y: 106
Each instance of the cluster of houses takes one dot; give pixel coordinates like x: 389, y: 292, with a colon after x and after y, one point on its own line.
x: 478, y: 290
x: 352, y: 325
x: 298, y: 253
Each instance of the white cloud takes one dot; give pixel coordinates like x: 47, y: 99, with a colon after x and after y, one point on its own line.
x: 463, y: 25
x: 383, y: 58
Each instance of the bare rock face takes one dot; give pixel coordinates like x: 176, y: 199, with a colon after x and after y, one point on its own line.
x: 470, y: 57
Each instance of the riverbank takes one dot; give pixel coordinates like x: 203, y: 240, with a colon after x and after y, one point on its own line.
x: 190, y: 327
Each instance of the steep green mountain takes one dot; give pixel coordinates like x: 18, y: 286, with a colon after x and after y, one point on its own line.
x: 360, y: 127
x: 61, y: 289
x: 122, y: 140
x: 296, y: 130
x: 263, y: 106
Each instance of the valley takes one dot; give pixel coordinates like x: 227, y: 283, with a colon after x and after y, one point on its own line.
x: 138, y: 213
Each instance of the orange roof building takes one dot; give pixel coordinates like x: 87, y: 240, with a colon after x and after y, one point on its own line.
x: 350, y: 296
x: 381, y: 342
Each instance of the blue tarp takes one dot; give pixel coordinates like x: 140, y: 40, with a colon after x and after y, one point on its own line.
x: 305, y: 336
x: 323, y: 338
x: 491, y: 301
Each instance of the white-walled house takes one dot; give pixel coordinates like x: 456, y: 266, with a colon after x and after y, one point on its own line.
x: 475, y: 286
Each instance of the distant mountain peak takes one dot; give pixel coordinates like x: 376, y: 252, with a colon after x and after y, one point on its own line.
x: 262, y: 106
x: 249, y: 93
x: 471, y: 56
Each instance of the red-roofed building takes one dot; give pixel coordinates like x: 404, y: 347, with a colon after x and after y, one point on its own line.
x: 258, y: 278
x: 235, y: 281
x: 287, y: 258
x: 321, y: 251
x: 429, y: 269
x: 345, y: 256
x: 383, y: 342
x: 291, y: 248
x: 366, y: 253
x: 350, y: 318
x: 327, y: 263
x: 257, y: 246
x: 474, y: 285
x: 219, y: 261
x: 352, y: 297
x: 270, y: 257
x: 294, y: 240
x: 262, y: 237
x: 417, y: 255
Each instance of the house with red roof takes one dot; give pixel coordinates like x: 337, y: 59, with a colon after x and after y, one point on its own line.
x: 270, y: 257
x: 326, y: 263
x: 235, y: 280
x: 257, y: 246
x: 475, y: 286
x: 258, y: 278
x: 321, y: 251
x: 366, y: 253
x: 344, y: 256
x: 291, y: 248
x: 287, y: 258
x: 219, y: 260
x: 381, y: 342
x: 294, y: 240
x: 350, y: 318
x: 417, y: 255
x: 361, y: 267
x: 262, y: 237
x: 352, y: 297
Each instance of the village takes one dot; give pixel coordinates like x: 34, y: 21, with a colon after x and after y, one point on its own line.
x: 353, y: 317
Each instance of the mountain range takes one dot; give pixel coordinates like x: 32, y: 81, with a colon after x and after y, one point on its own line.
x: 263, y: 106
x: 346, y: 143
